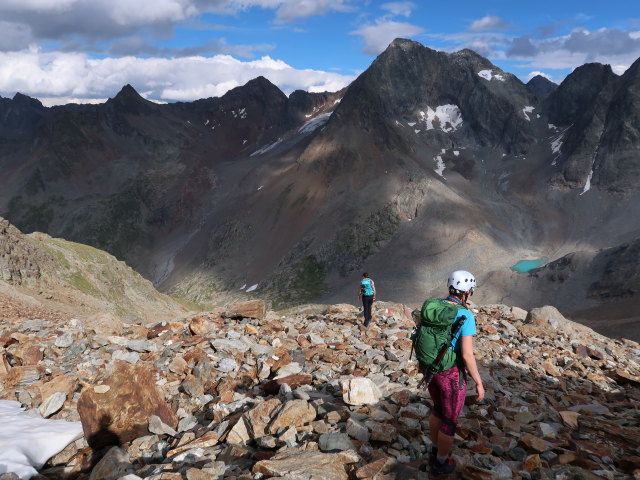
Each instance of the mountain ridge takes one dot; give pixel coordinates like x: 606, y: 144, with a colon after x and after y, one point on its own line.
x: 428, y: 161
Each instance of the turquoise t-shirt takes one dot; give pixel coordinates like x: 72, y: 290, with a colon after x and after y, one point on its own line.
x: 468, y: 327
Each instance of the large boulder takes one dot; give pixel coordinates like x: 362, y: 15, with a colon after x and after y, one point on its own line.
x: 547, y: 316
x: 360, y: 391
x: 310, y: 465
x: 294, y: 413
x: 118, y: 410
x: 249, y: 309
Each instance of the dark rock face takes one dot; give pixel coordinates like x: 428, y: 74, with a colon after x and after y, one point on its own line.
x: 600, y: 112
x: 408, y: 78
x: 541, y: 87
x: 20, y: 116
x: 618, y: 159
x: 621, y: 276
x: 576, y: 95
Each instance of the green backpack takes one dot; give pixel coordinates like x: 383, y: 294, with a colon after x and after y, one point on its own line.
x: 434, y: 330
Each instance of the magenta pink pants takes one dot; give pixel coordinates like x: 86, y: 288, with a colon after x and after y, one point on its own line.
x: 448, y: 398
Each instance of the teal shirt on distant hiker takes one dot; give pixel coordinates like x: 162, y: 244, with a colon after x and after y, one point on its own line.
x: 367, y: 287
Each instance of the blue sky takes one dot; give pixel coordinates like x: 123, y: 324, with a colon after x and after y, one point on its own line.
x: 181, y: 50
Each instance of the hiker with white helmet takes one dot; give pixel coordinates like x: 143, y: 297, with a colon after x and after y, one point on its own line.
x: 443, y: 344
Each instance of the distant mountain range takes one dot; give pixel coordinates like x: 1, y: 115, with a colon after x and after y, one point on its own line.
x: 427, y: 162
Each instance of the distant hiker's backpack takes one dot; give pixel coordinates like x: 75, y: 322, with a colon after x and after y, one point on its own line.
x: 366, y: 287
x: 433, y: 332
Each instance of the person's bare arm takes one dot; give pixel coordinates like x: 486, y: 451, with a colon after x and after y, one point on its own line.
x: 373, y: 284
x: 472, y: 367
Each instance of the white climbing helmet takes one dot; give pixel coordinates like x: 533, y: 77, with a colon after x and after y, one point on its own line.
x: 462, y: 281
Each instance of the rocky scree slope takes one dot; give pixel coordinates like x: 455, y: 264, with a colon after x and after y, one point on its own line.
x: 38, y: 271
x: 243, y: 393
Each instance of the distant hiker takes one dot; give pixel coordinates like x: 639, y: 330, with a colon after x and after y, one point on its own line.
x: 367, y: 292
x: 443, y: 344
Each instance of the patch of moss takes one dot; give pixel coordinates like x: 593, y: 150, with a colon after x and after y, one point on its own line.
x: 77, y: 280
x: 305, y: 285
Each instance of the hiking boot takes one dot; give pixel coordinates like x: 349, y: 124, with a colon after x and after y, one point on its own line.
x: 448, y: 466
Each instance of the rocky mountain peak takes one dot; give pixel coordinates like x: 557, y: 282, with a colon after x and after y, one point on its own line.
x: 404, y: 44
x: 259, y: 89
x: 128, y: 100
x: 578, y: 92
x: 20, y: 116
x: 24, y: 100
x: 541, y: 86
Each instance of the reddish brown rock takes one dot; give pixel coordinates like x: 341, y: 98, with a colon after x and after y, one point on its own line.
x: 279, y: 359
x: 593, y: 448
x: 4, y: 366
x: 259, y: 417
x: 482, y: 449
x: 401, y: 398
x: 122, y: 413
x: 250, y: 330
x: 30, y: 354
x: 66, y: 384
x: 292, y: 414
x: 471, y: 472
x: 294, y: 381
x: 531, y: 463
x: 250, y: 309
x: 623, y: 376
x: 24, y: 375
x: 630, y: 463
x: 199, y: 326
x: 567, y: 458
x: 378, y: 467
x: 311, y: 465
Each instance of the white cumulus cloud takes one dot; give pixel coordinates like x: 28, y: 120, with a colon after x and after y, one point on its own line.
x: 62, y: 77
x: 488, y: 22
x: 542, y: 74
x: 403, y: 9
x: 375, y: 38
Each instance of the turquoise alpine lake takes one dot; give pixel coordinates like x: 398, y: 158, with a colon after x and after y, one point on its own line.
x: 524, y: 266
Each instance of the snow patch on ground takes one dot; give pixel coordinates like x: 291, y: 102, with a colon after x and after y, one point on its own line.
x: 456, y: 153
x: 266, y: 148
x: 489, y: 75
x: 526, y: 110
x: 552, y: 126
x: 242, y: 113
x: 556, y: 144
x: 314, y: 123
x: 448, y: 116
x: 337, y: 101
x: 243, y: 286
x: 260, y: 188
x: 398, y: 123
x: 411, y: 124
x: 206, y: 123
x: 587, y: 186
x: 252, y: 288
x: 417, y: 131
x: 440, y: 166
x: 26, y: 442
